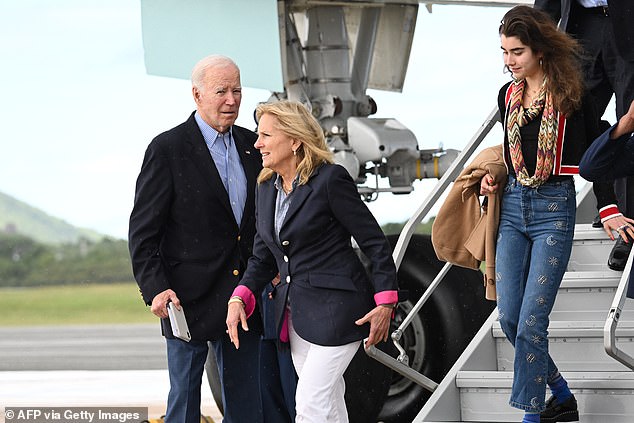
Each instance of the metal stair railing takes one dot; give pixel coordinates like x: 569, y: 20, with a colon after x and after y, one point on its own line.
x: 401, y: 363
x: 612, y: 321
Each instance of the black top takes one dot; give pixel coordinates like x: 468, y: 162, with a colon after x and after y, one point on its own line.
x: 581, y: 128
x: 529, y: 134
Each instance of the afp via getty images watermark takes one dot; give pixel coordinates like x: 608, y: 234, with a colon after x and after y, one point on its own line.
x: 76, y: 414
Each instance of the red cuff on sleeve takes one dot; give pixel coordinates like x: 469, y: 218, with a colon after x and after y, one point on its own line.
x: 608, y: 212
x: 247, y: 298
x: 386, y: 297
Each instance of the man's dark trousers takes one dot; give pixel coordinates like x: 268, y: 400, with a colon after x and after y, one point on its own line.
x: 242, y: 402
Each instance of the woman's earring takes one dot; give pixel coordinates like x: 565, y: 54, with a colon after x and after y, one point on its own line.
x: 541, y: 62
x: 294, y: 152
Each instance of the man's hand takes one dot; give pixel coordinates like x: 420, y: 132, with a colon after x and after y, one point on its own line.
x: 379, y: 318
x: 275, y: 282
x: 159, y: 302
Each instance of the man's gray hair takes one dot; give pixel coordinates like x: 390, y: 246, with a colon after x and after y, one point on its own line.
x: 206, y: 63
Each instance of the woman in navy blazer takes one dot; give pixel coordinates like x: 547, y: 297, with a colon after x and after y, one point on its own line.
x: 307, y: 211
x: 611, y: 156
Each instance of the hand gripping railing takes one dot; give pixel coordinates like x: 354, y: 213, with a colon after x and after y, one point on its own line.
x: 401, y: 363
x: 609, y: 330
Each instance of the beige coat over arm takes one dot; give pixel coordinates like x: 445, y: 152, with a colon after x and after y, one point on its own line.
x: 464, y: 232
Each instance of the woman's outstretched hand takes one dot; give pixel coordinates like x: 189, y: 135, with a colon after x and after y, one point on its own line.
x: 379, y: 318
x: 235, y: 315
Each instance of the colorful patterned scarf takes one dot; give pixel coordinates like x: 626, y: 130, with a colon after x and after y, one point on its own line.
x: 546, y: 140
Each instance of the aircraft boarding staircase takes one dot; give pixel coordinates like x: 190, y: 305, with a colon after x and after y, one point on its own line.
x: 590, y: 317
x: 478, y: 387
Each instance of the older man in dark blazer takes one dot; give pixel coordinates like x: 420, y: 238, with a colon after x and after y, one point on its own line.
x: 191, y: 234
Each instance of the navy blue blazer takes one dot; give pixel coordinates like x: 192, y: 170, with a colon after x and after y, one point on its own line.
x: 183, y: 234
x: 322, y: 278
x: 607, y: 159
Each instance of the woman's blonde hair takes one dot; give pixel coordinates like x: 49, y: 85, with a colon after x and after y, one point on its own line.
x: 561, y: 54
x: 295, y: 121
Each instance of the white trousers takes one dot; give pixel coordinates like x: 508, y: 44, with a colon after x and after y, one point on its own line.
x: 320, y: 388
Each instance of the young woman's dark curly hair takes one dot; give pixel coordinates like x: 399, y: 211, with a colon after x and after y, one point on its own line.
x: 561, y: 54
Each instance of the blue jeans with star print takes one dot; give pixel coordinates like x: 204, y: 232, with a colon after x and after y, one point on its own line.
x: 533, y: 247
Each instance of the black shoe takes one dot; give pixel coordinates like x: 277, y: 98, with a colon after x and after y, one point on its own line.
x: 596, y: 223
x: 554, y: 412
x: 619, y: 254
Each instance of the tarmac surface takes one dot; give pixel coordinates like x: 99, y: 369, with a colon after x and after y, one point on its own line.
x: 87, y: 366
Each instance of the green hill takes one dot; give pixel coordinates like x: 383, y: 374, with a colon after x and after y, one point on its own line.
x: 38, y: 250
x: 17, y: 217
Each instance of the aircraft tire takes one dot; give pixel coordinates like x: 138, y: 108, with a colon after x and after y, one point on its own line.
x: 443, y: 328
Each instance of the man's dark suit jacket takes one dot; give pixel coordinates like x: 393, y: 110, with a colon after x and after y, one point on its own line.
x: 183, y: 234
x: 621, y: 14
x: 323, y: 279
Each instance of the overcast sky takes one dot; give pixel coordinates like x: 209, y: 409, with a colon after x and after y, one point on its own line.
x: 77, y: 108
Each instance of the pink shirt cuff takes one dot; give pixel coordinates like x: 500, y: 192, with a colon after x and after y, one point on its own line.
x: 247, y: 298
x: 386, y: 297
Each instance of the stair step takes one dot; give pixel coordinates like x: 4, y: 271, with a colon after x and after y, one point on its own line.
x: 590, y: 249
x: 604, y: 388
x: 588, y: 296
x: 602, y: 396
x: 575, y: 346
x: 605, y: 278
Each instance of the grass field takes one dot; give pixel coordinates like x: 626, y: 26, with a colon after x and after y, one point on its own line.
x: 73, y: 304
